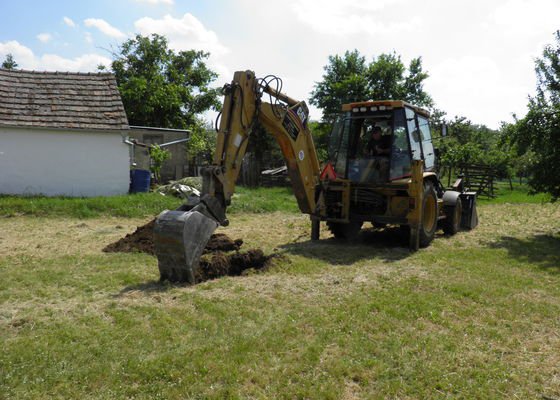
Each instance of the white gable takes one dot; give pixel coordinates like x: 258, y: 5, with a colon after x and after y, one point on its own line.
x: 58, y: 162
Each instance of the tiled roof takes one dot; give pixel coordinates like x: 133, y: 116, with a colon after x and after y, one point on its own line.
x: 60, y: 100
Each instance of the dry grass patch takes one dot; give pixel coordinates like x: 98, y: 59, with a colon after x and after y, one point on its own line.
x: 45, y: 237
x: 472, y: 316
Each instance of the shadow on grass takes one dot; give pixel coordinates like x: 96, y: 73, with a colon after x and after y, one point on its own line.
x: 149, y: 287
x: 542, y: 250
x: 387, y: 244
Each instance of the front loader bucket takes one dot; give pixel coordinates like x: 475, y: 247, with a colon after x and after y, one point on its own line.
x: 179, y: 239
x: 469, y: 219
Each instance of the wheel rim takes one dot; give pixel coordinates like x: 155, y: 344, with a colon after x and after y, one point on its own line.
x: 429, y: 220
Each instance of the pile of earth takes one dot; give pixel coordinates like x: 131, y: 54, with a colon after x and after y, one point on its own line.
x: 221, y: 256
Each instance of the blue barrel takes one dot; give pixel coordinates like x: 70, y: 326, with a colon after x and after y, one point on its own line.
x: 139, y: 180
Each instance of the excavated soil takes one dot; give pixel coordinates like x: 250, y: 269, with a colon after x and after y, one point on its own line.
x: 141, y: 241
x: 214, y: 264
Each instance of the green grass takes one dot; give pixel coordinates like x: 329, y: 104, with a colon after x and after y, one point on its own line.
x: 245, y: 200
x: 134, y: 205
x: 519, y: 194
x: 263, y: 200
x: 139, y: 205
x: 472, y: 316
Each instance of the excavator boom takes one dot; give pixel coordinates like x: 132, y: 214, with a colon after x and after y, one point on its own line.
x: 181, y: 235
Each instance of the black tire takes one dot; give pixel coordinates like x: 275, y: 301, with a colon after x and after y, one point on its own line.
x: 452, y: 222
x: 344, y: 231
x: 429, y: 215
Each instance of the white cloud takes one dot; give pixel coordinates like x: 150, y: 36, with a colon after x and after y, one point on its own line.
x: 50, y: 62
x: 527, y: 18
x: 333, y: 17
x: 478, y: 88
x: 83, y: 63
x: 44, y: 37
x: 88, y: 37
x: 188, y: 33
x: 22, y: 54
x: 183, y: 33
x: 156, y: 2
x: 104, y: 27
x: 69, y: 22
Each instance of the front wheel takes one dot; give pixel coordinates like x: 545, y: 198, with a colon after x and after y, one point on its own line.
x: 452, y: 222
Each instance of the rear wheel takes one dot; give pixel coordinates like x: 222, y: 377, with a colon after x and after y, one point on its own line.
x: 452, y: 222
x: 429, y: 215
x: 347, y: 231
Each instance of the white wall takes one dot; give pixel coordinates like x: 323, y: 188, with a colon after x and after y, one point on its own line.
x: 68, y: 163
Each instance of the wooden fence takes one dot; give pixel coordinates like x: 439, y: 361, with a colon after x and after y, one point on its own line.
x: 477, y: 177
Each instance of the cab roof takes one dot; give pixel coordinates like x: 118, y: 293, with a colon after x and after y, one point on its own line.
x: 388, y: 104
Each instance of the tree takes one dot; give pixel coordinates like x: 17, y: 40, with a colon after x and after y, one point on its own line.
x: 539, y: 131
x: 162, y: 88
x: 349, y: 78
x: 344, y: 81
x: 157, y: 157
x: 202, y: 143
x: 321, y: 134
x: 9, y: 62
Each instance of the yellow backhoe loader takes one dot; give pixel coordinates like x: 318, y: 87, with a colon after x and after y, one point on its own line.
x: 381, y: 169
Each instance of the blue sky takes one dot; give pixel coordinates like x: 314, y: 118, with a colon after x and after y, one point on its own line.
x: 479, y: 54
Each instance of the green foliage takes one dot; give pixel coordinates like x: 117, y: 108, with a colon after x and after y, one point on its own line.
x: 157, y: 157
x: 350, y: 78
x: 9, y: 62
x: 539, y: 131
x: 469, y: 143
x: 320, y: 132
x: 161, y: 88
x: 202, y: 142
x: 344, y: 81
x: 265, y: 148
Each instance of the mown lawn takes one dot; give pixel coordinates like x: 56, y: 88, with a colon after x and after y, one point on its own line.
x: 476, y: 315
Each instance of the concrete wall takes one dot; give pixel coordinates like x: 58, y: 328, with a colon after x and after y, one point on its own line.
x: 58, y: 162
x: 174, y: 168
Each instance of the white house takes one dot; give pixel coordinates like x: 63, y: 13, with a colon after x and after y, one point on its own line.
x: 62, y: 134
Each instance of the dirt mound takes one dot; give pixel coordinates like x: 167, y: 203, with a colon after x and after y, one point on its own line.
x: 142, y: 241
x: 220, y: 264
x: 215, y: 262
x: 222, y: 242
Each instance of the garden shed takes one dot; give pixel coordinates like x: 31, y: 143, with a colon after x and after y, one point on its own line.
x: 62, y: 134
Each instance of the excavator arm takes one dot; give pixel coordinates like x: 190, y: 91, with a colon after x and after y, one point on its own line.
x: 181, y: 235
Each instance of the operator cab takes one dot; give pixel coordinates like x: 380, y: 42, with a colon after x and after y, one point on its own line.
x: 374, y: 142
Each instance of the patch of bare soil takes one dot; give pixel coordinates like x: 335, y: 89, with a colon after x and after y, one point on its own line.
x: 222, y: 253
x: 141, y: 240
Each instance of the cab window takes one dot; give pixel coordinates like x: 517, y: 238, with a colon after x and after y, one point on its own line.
x: 427, y: 145
x: 413, y: 135
x: 400, y: 151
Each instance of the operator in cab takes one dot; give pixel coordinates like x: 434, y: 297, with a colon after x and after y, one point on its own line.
x: 378, y: 145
